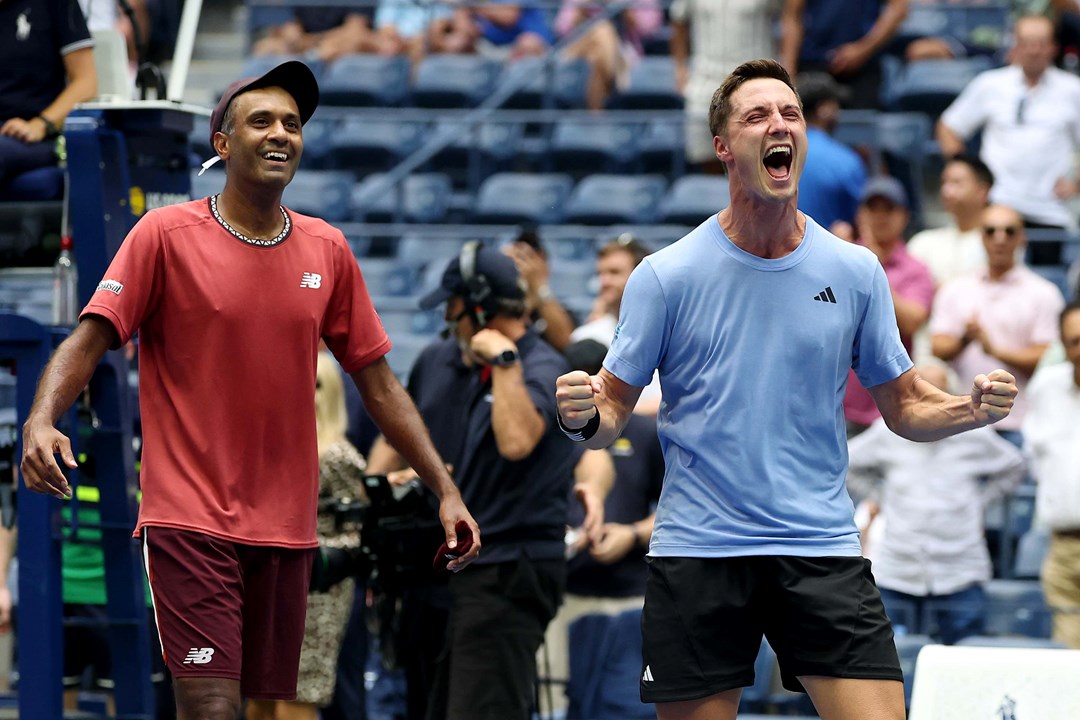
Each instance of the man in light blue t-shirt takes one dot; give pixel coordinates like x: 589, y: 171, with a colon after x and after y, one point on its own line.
x: 753, y: 321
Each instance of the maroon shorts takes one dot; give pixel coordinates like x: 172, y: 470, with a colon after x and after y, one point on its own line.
x: 228, y: 610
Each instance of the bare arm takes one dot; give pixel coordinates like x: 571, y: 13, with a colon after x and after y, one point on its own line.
x: 888, y: 22
x: 946, y: 347
x: 917, y: 410
x: 594, y: 476
x: 580, y: 397
x: 383, y: 459
x: 517, y: 424
x: 948, y: 140
x: 64, y: 377
x: 680, y: 52
x: 397, y: 417
x: 791, y: 34
x: 910, y: 315
x: 81, y: 86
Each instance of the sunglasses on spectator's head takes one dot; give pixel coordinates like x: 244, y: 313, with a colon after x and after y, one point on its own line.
x: 1009, y: 230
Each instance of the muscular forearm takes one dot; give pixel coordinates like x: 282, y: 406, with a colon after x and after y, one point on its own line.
x: 81, y: 86
x: 515, y: 421
x: 917, y: 410
x: 70, y: 369
x: 397, y: 417
x: 791, y: 35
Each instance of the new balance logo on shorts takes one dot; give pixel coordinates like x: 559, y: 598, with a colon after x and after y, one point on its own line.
x: 311, y: 280
x: 199, y: 656
x: 647, y: 675
x: 826, y: 296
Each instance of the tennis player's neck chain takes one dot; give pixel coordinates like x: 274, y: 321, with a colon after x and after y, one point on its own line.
x: 241, y: 236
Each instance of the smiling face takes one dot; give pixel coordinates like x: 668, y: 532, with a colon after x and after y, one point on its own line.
x: 764, y: 141
x: 265, y: 142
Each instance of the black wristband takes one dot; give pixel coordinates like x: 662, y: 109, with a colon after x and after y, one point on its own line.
x: 583, y: 433
x: 51, y: 130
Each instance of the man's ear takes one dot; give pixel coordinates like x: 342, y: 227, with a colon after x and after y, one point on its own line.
x: 720, y: 147
x: 221, y: 145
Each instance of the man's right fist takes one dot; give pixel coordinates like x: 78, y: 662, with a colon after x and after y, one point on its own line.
x: 575, y: 392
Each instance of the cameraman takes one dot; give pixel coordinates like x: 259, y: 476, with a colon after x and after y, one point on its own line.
x: 485, y: 392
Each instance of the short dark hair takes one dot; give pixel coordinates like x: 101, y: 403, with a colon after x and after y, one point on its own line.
x: 1071, y: 307
x: 982, y: 171
x: 720, y: 107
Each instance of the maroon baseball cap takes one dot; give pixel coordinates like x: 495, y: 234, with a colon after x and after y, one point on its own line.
x: 292, y: 76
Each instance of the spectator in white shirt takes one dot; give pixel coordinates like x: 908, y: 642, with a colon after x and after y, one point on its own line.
x: 931, y: 559
x: 1052, y: 442
x: 1029, y: 114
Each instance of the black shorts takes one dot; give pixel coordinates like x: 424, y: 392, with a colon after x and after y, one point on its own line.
x: 704, y: 618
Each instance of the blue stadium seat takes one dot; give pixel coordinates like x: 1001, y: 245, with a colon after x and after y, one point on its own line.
x: 564, y: 81
x: 663, y: 147
x: 492, y: 146
x: 572, y: 277
x: 1030, y: 553
x: 358, y: 80
x: 692, y: 198
x: 903, y: 138
x: 513, y: 198
x: 404, y: 351
x: 363, y: 145
x: 418, y: 248
x: 1016, y: 607
x: 454, y: 81
x: 387, y: 277
x: 254, y: 66
x: 423, y: 198
x: 594, y: 145
x: 609, y: 199
x: 209, y: 183
x: 651, y: 86
x: 929, y: 86
x: 27, y: 292
x: 319, y: 134
x: 605, y: 667
x: 321, y: 193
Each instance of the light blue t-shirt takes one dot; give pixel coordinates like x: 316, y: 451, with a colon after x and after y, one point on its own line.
x: 753, y: 356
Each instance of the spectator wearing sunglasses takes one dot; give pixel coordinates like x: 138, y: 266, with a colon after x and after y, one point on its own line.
x: 1029, y: 115
x: 1004, y: 313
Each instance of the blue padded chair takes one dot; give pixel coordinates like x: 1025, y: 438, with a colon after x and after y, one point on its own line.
x: 255, y: 66
x: 492, y: 146
x: 405, y: 348
x: 321, y: 193
x: 359, y: 80
x: 1016, y: 607
x: 1030, y: 553
x: 564, y: 82
x: 594, y: 145
x: 388, y: 277
x: 903, y: 138
x: 929, y: 86
x: 454, y: 81
x: 651, y: 87
x: 610, y: 199
x: 363, y: 145
x: 692, y: 198
x: 514, y: 198
x: 423, y: 198
x: 418, y: 248
x: 663, y: 147
x: 209, y: 183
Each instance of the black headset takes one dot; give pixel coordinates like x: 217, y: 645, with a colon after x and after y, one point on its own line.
x: 480, y: 301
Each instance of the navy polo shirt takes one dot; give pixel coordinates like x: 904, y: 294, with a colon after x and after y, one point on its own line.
x: 521, y: 506
x: 828, y: 24
x: 34, y: 37
x: 639, y: 476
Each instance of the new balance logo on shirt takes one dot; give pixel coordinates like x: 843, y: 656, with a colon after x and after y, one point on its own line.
x: 311, y: 280
x: 826, y: 296
x: 199, y: 656
x: 647, y: 675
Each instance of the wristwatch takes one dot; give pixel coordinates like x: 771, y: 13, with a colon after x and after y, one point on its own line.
x: 506, y: 357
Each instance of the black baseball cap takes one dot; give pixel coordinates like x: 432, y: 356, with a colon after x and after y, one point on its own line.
x: 498, y: 269
x: 293, y: 76
x: 885, y: 187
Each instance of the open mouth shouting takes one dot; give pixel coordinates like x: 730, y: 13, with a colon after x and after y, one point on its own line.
x: 777, y: 162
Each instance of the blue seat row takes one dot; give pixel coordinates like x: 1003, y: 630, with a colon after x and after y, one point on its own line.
x: 459, y: 81
x: 503, y: 198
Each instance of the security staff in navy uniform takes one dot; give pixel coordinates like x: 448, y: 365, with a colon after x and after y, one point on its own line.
x: 485, y: 393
